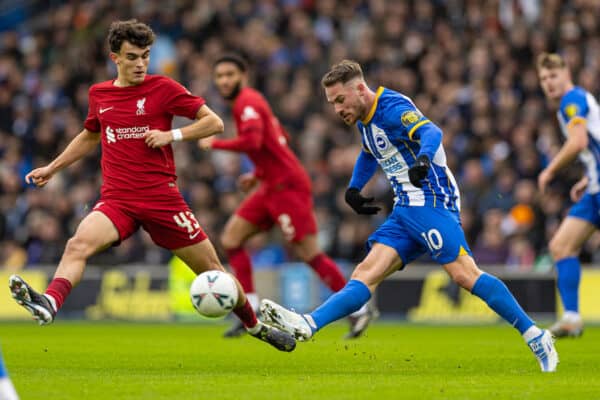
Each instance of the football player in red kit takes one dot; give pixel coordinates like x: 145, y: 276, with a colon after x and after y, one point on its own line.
x: 280, y: 189
x: 131, y: 117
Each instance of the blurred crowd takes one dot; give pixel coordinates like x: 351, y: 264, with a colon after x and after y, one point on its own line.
x: 469, y: 66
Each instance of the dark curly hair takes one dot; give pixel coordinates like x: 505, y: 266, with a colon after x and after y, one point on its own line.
x: 136, y: 33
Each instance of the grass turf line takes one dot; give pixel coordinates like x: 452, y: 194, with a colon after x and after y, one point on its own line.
x: 184, y: 361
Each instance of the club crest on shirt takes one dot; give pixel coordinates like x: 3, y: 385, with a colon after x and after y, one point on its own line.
x: 249, y: 113
x: 409, y: 117
x: 140, y: 107
x: 381, y: 140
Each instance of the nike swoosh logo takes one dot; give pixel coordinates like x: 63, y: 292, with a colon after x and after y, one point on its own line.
x: 192, y: 236
x: 103, y: 110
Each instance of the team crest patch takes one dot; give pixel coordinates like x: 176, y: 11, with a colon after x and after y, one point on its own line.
x: 571, y: 110
x: 409, y: 117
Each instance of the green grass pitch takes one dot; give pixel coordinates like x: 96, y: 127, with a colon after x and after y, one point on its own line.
x: 70, y: 360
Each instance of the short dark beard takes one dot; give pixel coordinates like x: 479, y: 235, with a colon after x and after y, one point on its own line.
x: 234, y: 93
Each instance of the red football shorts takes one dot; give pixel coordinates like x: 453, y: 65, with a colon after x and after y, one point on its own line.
x: 169, y: 221
x: 291, y: 209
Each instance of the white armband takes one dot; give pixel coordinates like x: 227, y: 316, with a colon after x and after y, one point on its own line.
x: 177, y: 135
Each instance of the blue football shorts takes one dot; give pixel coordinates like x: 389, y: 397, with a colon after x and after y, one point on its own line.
x: 414, y: 231
x: 588, y: 209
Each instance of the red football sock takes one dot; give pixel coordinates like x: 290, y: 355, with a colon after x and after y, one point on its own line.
x: 59, y: 289
x: 246, y: 314
x: 328, y: 271
x: 242, y: 268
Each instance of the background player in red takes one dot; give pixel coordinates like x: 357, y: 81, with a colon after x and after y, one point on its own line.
x: 284, y: 195
x: 131, y: 117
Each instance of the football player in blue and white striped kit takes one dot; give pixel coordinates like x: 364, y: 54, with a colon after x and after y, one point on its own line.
x: 579, y: 118
x: 425, y: 217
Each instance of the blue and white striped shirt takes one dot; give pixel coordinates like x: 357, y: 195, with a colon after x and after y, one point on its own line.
x: 390, y: 134
x: 577, y: 105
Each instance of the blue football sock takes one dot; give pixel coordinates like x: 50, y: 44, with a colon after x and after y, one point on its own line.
x: 2, y: 370
x: 342, y: 303
x: 567, y: 281
x: 495, y: 293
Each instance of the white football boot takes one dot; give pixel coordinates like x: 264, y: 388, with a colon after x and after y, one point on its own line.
x: 286, y: 320
x: 542, y: 347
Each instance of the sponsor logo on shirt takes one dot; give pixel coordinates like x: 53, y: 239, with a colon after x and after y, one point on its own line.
x: 132, y: 132
x: 140, y: 107
x: 249, y: 113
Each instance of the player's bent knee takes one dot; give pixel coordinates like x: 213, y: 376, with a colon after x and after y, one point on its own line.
x: 463, y: 279
x: 229, y: 242
x: 366, y: 275
x: 79, y: 248
x: 559, y: 250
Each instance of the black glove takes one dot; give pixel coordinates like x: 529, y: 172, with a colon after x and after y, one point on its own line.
x: 357, y: 202
x: 419, y: 170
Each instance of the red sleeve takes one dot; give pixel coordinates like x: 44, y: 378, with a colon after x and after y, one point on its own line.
x: 92, y: 123
x: 248, y: 140
x: 250, y: 131
x: 179, y: 100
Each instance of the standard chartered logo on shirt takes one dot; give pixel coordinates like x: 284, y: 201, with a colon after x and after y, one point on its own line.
x: 131, y: 132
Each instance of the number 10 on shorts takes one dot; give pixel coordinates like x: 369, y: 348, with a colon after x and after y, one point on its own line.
x: 434, y: 240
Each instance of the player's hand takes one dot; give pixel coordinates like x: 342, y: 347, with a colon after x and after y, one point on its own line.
x: 155, y: 138
x: 578, y: 189
x: 544, y: 179
x: 419, y: 170
x: 247, y: 181
x: 206, y: 143
x: 39, y: 176
x: 357, y: 202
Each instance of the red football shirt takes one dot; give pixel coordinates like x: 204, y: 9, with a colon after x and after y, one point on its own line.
x: 131, y: 169
x: 265, y: 142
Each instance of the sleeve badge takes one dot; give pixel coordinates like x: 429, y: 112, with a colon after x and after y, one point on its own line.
x: 409, y: 117
x: 571, y: 110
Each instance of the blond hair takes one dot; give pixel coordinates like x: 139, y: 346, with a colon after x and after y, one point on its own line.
x: 550, y: 61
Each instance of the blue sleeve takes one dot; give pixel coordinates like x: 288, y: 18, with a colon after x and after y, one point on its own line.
x: 430, y: 137
x: 365, y: 167
x: 574, y: 105
x: 402, y: 118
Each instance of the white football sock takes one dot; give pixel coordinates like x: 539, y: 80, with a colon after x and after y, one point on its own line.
x: 361, y: 311
x: 254, y: 300
x: 531, y: 333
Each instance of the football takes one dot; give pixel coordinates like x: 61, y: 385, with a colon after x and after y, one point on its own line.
x: 214, y: 294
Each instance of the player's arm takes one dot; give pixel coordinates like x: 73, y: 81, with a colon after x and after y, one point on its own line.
x: 364, y: 169
x: 81, y: 145
x: 430, y: 139
x: 577, y: 141
x: 207, y: 124
x: 249, y: 137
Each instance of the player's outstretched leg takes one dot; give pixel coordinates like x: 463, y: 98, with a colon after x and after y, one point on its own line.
x: 331, y: 274
x: 497, y: 296
x: 37, y: 304
x: 340, y: 304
